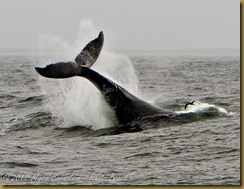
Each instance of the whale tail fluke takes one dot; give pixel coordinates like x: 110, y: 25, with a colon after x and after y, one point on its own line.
x: 86, y: 58
x: 59, y: 70
x: 90, y: 52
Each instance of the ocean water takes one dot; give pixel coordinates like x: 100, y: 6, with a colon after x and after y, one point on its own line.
x: 63, y: 132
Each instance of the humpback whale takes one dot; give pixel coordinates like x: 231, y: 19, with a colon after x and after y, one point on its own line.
x: 127, y: 107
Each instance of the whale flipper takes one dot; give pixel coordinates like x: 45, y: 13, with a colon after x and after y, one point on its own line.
x: 90, y: 52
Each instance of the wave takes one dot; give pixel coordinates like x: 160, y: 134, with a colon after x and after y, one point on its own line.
x: 33, y: 120
x: 7, y: 96
x: 31, y: 99
x: 9, y: 100
x: 19, y: 164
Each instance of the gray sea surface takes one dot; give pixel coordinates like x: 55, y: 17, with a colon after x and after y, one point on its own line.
x: 43, y: 142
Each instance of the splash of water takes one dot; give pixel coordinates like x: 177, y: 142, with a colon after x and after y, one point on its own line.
x: 199, y: 107
x: 75, y: 101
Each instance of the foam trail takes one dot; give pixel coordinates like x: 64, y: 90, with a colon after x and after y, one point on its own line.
x: 76, y: 101
x: 201, y: 107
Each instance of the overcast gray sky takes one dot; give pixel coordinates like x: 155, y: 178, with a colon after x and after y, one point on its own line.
x: 127, y: 24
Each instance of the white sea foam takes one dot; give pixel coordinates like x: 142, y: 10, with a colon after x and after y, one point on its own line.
x: 200, y: 107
